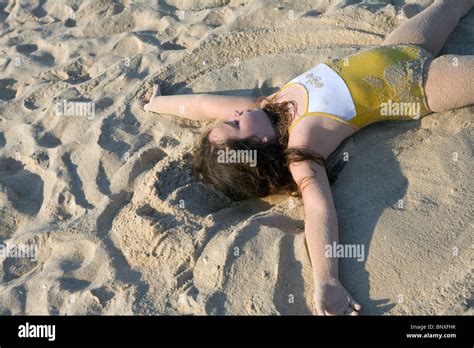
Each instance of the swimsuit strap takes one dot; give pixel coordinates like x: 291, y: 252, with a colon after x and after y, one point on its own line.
x: 295, y: 122
x: 323, y: 114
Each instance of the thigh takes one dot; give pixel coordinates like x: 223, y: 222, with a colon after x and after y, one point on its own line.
x: 450, y: 82
x: 429, y: 29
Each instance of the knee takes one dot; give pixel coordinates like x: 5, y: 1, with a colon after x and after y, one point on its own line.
x: 436, y: 80
x: 445, y: 81
x: 445, y: 61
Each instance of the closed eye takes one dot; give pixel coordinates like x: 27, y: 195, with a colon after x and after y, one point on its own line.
x: 234, y: 124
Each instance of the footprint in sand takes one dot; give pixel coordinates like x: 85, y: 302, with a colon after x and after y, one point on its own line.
x: 41, y: 57
x: 27, y: 48
x: 42, y: 52
x: 205, y: 200
x: 23, y: 188
x: 127, y: 46
x: 41, y: 159
x: 162, y: 221
x: 75, y: 182
x: 167, y: 141
x: 219, y: 17
x: 45, y: 139
x: 120, y: 23
x: 30, y: 104
x: 62, y: 279
x: 41, y: 96
x: 146, y: 161
x: 75, y: 72
x: 7, y: 91
x: 23, y: 258
x: 14, y: 268
x: 176, y: 174
x: 108, y: 139
x: 44, y: 58
x: 39, y: 11
x: 70, y: 269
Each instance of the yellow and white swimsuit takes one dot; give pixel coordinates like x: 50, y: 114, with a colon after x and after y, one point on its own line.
x: 383, y: 83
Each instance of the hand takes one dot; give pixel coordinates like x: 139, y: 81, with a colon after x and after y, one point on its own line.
x: 156, y: 93
x: 331, y: 298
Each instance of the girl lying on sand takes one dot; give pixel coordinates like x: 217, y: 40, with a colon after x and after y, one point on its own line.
x: 295, y: 129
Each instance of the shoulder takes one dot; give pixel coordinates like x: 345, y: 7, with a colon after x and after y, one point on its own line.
x: 289, y: 91
x: 320, y: 134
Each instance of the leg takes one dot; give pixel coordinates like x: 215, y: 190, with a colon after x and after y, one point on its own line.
x: 430, y: 28
x: 450, y: 82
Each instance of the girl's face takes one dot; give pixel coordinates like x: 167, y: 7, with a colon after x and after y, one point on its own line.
x: 244, y: 124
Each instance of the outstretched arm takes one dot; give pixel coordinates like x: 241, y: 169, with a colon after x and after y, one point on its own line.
x: 198, y: 106
x: 321, y: 230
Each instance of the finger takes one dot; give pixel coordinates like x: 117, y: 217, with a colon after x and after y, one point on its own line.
x: 350, y: 311
x: 319, y: 309
x: 156, y: 90
x: 321, y: 312
x: 353, y: 304
x: 340, y: 309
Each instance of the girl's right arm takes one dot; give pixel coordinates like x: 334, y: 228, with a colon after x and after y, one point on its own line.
x: 198, y: 106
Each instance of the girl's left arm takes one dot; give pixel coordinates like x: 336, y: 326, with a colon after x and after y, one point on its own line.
x: 321, y: 232
x: 200, y: 106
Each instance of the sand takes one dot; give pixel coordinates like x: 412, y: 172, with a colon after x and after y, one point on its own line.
x: 120, y: 225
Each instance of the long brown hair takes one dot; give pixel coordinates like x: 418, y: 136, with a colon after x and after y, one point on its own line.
x: 271, y: 174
